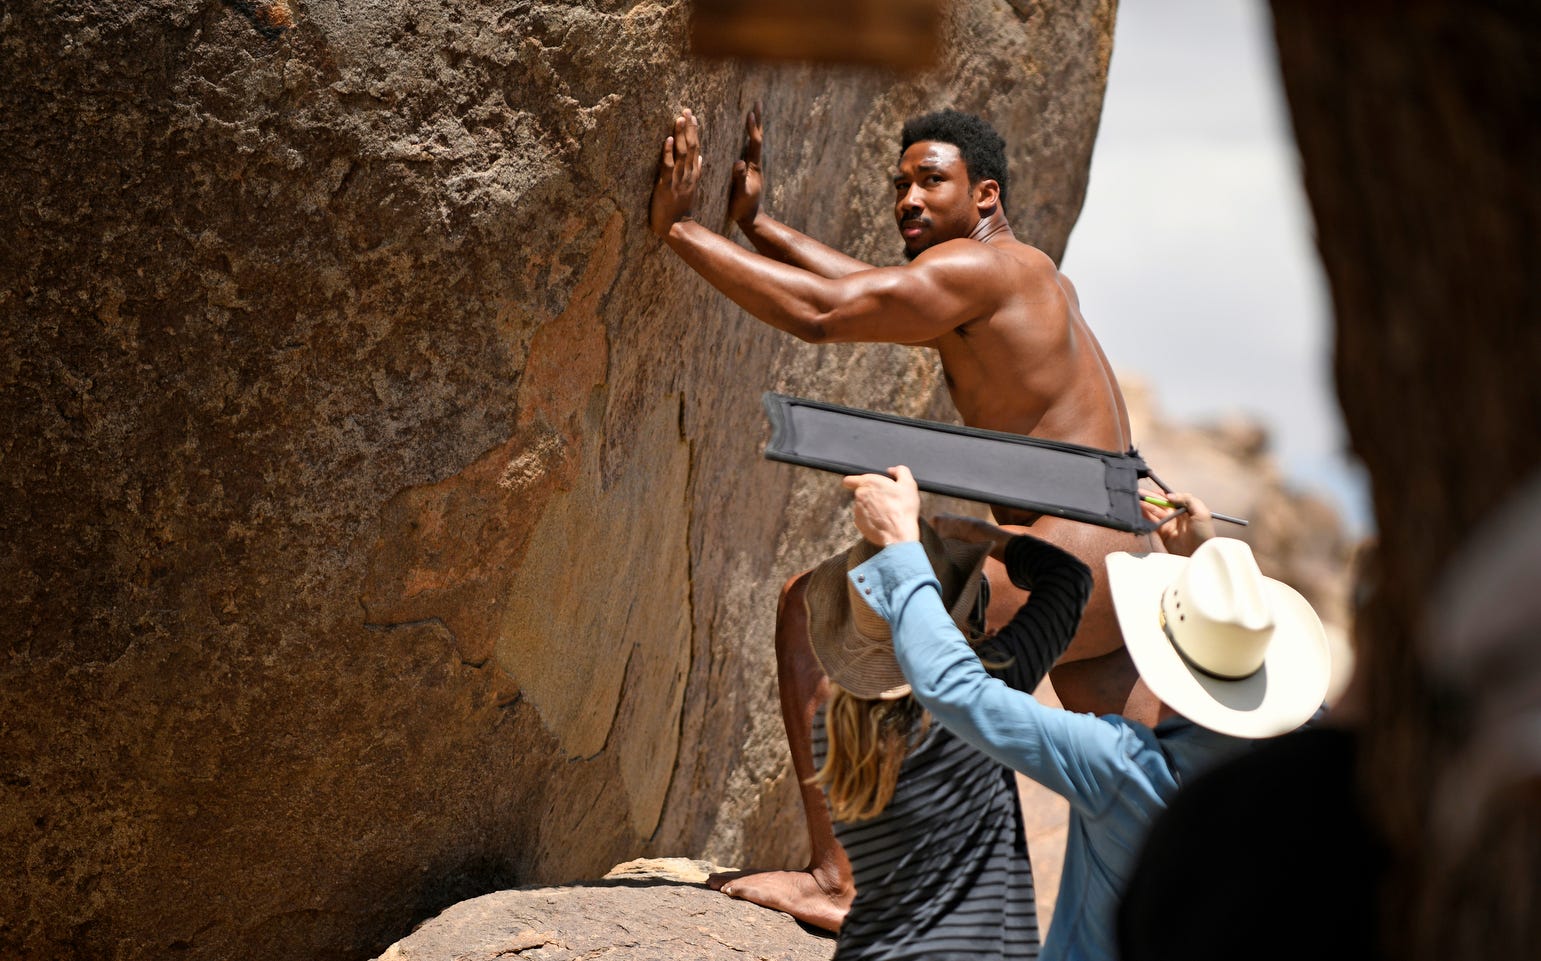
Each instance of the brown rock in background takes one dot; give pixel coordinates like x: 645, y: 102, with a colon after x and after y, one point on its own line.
x: 383, y: 510
x: 1296, y: 535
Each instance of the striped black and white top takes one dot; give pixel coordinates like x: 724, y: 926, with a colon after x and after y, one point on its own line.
x: 943, y: 873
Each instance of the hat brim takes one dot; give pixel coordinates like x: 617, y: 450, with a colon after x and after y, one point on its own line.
x: 1279, y: 697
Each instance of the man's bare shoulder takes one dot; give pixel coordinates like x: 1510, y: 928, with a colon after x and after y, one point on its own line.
x: 1070, y: 291
x: 1011, y: 261
x: 1030, y: 275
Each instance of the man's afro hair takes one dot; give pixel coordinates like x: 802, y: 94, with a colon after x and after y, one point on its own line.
x: 983, y: 150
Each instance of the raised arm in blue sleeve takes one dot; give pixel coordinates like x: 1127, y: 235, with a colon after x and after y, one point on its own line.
x: 1070, y: 754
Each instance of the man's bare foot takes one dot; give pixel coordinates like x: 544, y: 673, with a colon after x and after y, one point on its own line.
x: 802, y: 894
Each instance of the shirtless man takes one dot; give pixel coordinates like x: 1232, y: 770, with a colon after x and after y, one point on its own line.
x: 1016, y: 355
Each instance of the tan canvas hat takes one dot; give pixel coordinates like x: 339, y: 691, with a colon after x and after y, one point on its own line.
x: 1218, y: 642
x: 852, y: 641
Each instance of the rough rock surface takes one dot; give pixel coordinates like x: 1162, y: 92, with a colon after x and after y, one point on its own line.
x: 383, y: 510
x: 657, y: 910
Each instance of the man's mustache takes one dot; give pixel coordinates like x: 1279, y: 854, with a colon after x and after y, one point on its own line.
x: 916, y: 219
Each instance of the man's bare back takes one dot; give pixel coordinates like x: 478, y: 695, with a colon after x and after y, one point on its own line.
x: 1017, y: 357
x: 1036, y: 342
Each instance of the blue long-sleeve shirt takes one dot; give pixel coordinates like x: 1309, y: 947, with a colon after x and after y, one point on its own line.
x: 1116, y: 774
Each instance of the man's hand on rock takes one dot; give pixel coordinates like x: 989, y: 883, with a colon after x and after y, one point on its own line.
x: 679, y: 172
x: 744, y: 200
x: 886, y: 509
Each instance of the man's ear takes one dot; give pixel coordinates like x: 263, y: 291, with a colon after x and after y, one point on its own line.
x: 987, y: 197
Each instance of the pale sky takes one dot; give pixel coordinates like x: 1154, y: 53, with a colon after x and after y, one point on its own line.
x: 1194, y: 256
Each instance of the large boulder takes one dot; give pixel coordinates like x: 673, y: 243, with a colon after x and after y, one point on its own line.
x: 384, y: 516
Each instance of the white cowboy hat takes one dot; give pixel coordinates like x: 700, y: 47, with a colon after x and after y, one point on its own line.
x: 1219, y: 643
x: 852, y: 641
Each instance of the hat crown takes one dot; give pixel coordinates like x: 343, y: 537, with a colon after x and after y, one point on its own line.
x: 1217, y: 610
x: 1215, y: 659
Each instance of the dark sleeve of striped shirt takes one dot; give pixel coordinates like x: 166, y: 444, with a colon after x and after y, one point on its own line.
x: 1022, y: 652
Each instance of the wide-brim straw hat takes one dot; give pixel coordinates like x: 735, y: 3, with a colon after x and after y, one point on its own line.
x: 1219, y: 643
x: 852, y: 641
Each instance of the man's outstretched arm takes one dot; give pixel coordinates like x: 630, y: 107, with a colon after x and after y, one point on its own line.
x: 777, y: 241
x: 771, y: 237
x: 941, y: 290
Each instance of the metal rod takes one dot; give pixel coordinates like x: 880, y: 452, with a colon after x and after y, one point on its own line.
x: 1163, y: 502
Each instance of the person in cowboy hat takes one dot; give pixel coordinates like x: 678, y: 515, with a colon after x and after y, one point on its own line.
x: 1226, y: 654
x: 931, y: 825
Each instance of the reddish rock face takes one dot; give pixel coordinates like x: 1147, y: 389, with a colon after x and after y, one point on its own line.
x: 384, y: 517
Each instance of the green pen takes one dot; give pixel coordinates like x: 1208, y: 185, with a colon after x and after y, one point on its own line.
x: 1163, y: 502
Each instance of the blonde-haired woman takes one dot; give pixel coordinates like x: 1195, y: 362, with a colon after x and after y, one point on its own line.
x: 932, y: 827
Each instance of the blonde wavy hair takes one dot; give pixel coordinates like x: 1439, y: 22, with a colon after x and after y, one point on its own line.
x: 868, y: 742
